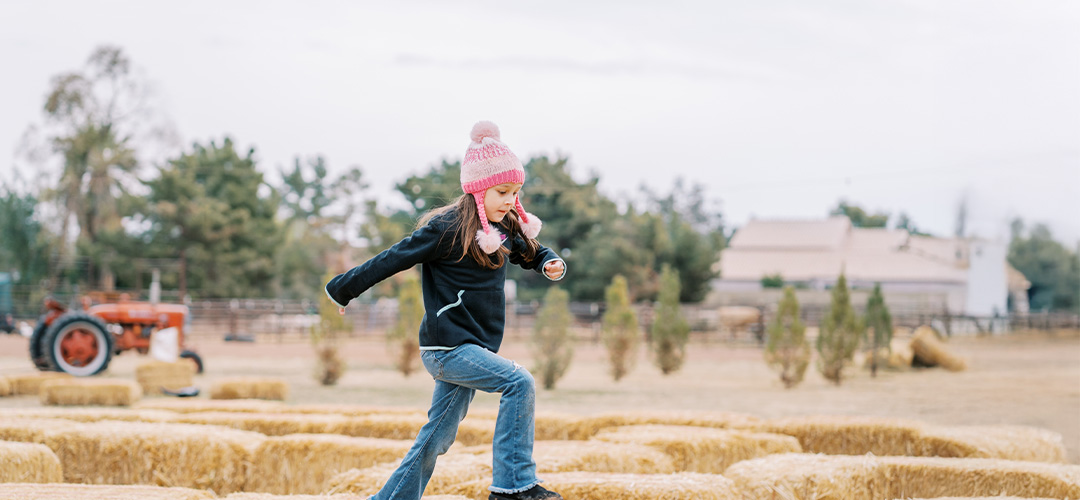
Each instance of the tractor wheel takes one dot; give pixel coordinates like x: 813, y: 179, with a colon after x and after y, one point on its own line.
x: 78, y: 343
x: 195, y: 358
x: 37, y: 353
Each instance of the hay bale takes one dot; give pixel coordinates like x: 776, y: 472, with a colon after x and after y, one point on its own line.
x: 30, y: 383
x: 591, y: 456
x: 250, y: 388
x: 698, y: 449
x: 98, y: 492
x: 28, y: 463
x: 29, y: 430
x: 5, y: 387
x: 270, y: 496
x: 719, y: 420
x: 450, y: 470
x: 90, y: 414
x: 852, y: 435
x: 560, y: 426
x: 600, y: 485
x: 89, y: 391
x: 155, y: 375
x: 806, y: 476
x: 270, y: 424
x: 470, y: 432
x: 203, y: 457
x: 195, y: 405
x: 305, y: 463
x: 931, y: 351
x: 900, y: 353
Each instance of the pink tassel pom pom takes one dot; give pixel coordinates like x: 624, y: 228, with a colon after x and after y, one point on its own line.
x: 484, y: 129
x: 531, y: 228
x: 489, y: 242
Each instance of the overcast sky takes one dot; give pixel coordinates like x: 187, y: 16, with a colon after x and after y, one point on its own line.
x: 779, y: 108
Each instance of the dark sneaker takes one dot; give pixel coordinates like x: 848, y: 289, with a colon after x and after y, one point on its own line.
x: 535, y: 493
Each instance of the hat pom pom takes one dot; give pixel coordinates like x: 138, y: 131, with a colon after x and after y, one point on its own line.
x: 484, y: 129
x: 489, y: 241
x: 532, y: 227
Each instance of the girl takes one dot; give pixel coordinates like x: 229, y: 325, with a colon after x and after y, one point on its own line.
x: 464, y: 248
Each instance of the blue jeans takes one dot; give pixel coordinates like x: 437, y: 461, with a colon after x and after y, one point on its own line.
x: 458, y: 374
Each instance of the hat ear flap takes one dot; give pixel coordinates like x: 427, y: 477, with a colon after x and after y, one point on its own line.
x: 530, y: 224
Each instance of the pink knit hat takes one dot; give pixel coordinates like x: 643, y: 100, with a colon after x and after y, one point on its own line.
x: 488, y: 162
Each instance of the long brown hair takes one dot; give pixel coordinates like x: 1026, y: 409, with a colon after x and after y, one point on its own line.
x: 465, y: 225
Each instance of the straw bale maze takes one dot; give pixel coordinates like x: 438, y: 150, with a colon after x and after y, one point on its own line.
x: 180, y: 449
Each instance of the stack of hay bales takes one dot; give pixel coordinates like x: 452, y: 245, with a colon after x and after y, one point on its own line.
x: 451, y: 470
x: 305, y: 463
x: 806, y: 476
x: 28, y: 463
x: 600, y: 485
x: 250, y: 388
x: 699, y: 449
x: 29, y: 384
x: 89, y: 391
x: 929, y: 350
x: 154, y: 375
x: 97, y: 492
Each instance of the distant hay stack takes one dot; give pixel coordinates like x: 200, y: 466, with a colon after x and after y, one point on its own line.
x: 451, y: 470
x: 930, y: 351
x: 5, y: 387
x: 193, y: 456
x: 153, y: 376
x: 75, y: 391
x: 30, y: 383
x: 699, y: 449
x: 614, y: 486
x: 305, y: 463
x: 28, y: 463
x: 805, y: 476
x: 189, y: 405
x: 98, y: 492
x: 900, y: 354
x: 274, y: 389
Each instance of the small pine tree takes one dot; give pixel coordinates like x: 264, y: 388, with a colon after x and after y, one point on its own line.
x: 839, y: 334
x: 787, y: 350
x: 403, y: 339
x: 878, y: 321
x: 621, y: 333
x: 670, y: 331
x: 329, y: 366
x: 552, y: 345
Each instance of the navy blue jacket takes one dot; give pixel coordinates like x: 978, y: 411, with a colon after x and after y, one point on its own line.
x: 464, y: 302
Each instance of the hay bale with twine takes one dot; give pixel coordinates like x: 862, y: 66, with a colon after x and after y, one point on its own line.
x: 98, y: 492
x: 274, y: 389
x: 30, y: 383
x: 929, y: 350
x: 89, y: 391
x: 811, y: 477
x: 591, y: 456
x: 194, y: 456
x: 154, y: 375
x: 601, y: 485
x: 305, y: 463
x: 5, y: 387
x: 90, y: 414
x: 699, y: 449
x: 451, y: 470
x: 28, y: 463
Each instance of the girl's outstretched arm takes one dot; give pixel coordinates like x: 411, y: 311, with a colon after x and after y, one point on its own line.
x: 421, y: 246
x: 546, y: 260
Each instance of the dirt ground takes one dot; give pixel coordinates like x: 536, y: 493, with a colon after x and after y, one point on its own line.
x: 1031, y: 380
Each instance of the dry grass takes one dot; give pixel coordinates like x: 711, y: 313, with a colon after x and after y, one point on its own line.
x: 28, y: 463
x: 30, y: 383
x: 154, y: 375
x: 813, y: 477
x: 932, y: 351
x: 89, y: 391
x: 305, y: 463
x: 614, y: 486
x: 851, y: 435
x: 699, y: 449
x: 450, y: 470
x: 274, y: 389
x: 98, y: 492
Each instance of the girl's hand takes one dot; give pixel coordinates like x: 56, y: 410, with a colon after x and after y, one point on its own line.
x: 554, y: 269
x: 341, y: 311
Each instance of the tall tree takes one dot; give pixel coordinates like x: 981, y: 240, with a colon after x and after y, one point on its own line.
x: 1052, y: 269
x: 621, y: 332
x: 838, y: 335
x: 878, y: 324
x: 670, y: 330
x: 860, y: 217
x: 24, y: 242
x: 786, y: 349
x: 552, y: 343
x: 303, y: 256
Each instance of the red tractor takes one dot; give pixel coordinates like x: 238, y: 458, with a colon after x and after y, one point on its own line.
x: 82, y: 342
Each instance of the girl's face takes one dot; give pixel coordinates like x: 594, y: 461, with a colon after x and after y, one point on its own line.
x: 498, y: 200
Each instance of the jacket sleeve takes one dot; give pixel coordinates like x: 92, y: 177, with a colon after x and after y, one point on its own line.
x: 543, y: 256
x: 421, y: 246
